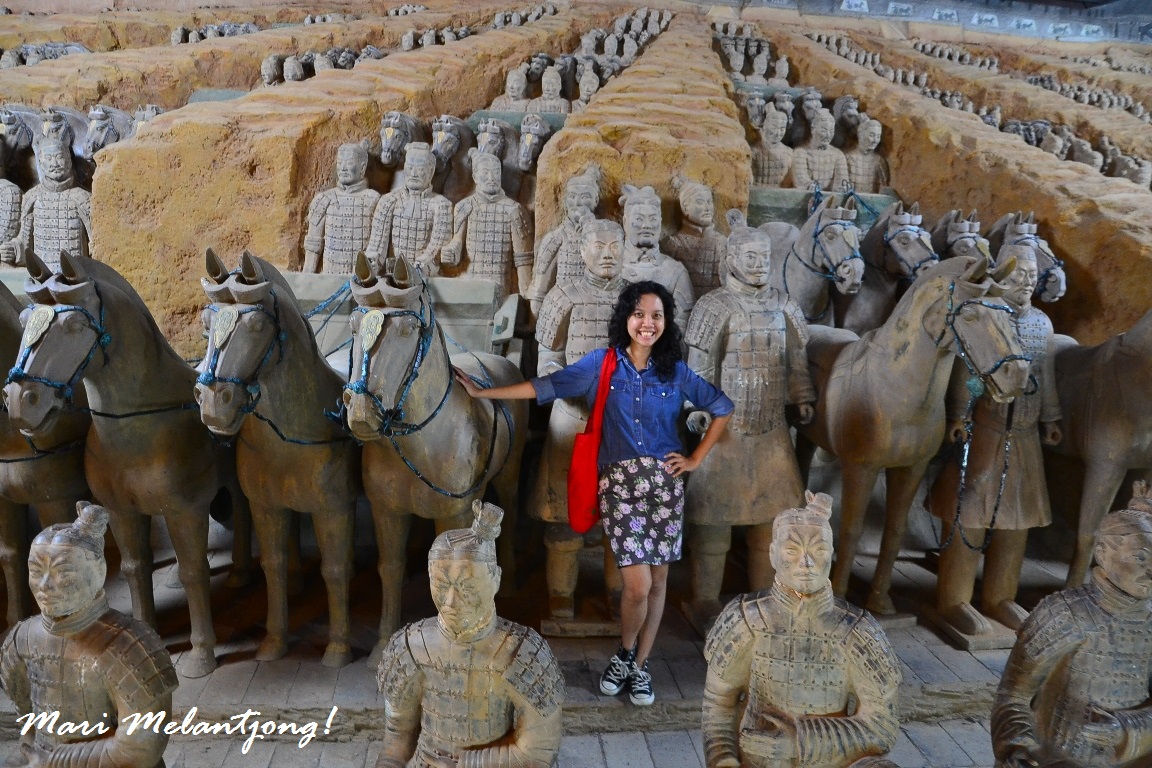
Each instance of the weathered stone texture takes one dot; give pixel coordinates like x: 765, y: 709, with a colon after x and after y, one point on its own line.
x: 241, y: 174
x: 947, y: 159
x: 672, y: 111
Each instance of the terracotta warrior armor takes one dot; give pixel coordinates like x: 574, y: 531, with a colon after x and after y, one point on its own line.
x: 56, y: 215
x: 467, y: 688
x: 9, y: 214
x: 340, y: 219
x: 493, y: 231
x: 415, y: 221
x: 799, y: 655
x: 83, y: 659
x: 643, y: 259
x: 557, y: 260
x: 698, y: 246
x: 771, y: 158
x: 1075, y: 690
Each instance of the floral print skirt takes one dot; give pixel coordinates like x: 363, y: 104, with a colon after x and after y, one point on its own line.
x: 642, y: 507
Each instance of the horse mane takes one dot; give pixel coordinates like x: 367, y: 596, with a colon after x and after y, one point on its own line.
x: 873, y: 240
x: 940, y: 230
x: 103, y: 273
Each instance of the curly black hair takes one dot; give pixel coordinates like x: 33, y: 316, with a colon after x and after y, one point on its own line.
x: 668, y: 349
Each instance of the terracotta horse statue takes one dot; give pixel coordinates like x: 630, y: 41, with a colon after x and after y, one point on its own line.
x: 106, y: 125
x: 451, y: 140
x: 20, y: 128
x: 265, y: 381
x: 500, y: 138
x: 881, y: 396
x: 398, y: 130
x: 147, y: 452
x: 45, y: 473
x: 823, y: 253
x: 429, y: 449
x: 896, y: 250
x: 534, y: 133
x: 953, y: 235
x: 1107, y: 422
x: 1018, y: 229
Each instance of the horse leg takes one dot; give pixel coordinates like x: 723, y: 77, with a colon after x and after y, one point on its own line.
x: 392, y: 551
x: 858, y: 484
x: 805, y: 451
x: 507, y: 486
x: 241, y: 571
x: 334, y: 537
x: 272, y: 526
x: 132, y: 532
x: 14, y: 558
x: 451, y: 522
x: 189, y: 529
x: 295, y: 578
x: 56, y: 511
x: 902, y: 485
x: 1102, y: 480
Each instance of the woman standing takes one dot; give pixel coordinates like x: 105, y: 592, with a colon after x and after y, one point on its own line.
x: 641, y: 460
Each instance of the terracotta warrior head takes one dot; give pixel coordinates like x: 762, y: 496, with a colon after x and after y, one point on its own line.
x: 801, y: 549
x: 775, y: 125
x: 551, y: 83
x: 66, y: 567
x: 823, y: 129
x: 463, y: 573
x: 271, y: 69
x: 695, y: 201
x: 589, y: 84
x: 642, y: 217
x: 582, y: 193
x: 293, y: 69
x: 749, y: 252
x: 1124, y: 545
x: 602, y: 247
x: 351, y: 163
x: 868, y: 134
x: 55, y: 161
x: 419, y: 166
x: 516, y: 83
x: 1021, y: 283
x: 487, y: 172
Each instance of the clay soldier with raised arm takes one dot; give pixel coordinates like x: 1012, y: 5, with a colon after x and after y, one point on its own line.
x: 415, y: 221
x: 56, y: 215
x: 1075, y: 692
x: 573, y: 322
x: 340, y: 219
x: 467, y: 688
x: 643, y: 259
x: 492, y: 231
x: 748, y: 339
x: 867, y: 168
x: 799, y: 656
x: 818, y: 161
x: 771, y: 157
x: 698, y: 246
x: 84, y: 660
x: 558, y: 260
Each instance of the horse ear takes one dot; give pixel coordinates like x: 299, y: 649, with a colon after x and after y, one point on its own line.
x: 976, y: 271
x: 1031, y: 218
x: 214, y: 267
x: 899, y: 208
x: 1001, y: 271
x: 404, y: 274
x: 915, y: 209
x: 250, y: 269
x: 37, y: 269
x: 972, y: 216
x: 365, y: 275
x: 71, y: 269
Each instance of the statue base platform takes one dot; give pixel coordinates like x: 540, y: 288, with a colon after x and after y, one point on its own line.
x: 898, y: 620
x: 999, y: 638
x: 579, y: 627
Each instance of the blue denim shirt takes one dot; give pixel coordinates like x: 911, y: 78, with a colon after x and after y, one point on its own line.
x: 642, y: 415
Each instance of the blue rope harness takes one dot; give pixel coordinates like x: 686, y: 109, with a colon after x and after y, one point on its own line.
x: 912, y: 268
x: 828, y: 272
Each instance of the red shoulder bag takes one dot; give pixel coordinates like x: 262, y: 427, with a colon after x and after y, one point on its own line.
x: 583, y: 472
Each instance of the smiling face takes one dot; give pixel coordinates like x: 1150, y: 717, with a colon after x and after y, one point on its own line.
x: 64, y: 579
x: 642, y: 224
x: 464, y: 593
x: 646, y: 323
x: 802, y: 555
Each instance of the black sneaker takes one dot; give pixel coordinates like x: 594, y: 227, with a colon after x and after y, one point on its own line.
x: 640, y: 685
x: 618, y: 671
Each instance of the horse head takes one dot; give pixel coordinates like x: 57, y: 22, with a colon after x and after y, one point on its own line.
x: 64, y: 338
x: 955, y: 236
x: 534, y: 131
x: 450, y: 137
x: 1018, y: 229
x: 397, y: 129
x: 898, y: 244
x: 832, y: 239
x: 969, y: 318
x: 15, y: 131
x: 246, y: 337
x: 393, y: 329
x: 106, y: 126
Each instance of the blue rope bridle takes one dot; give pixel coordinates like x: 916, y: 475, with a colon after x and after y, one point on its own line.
x: 912, y: 268
x: 828, y: 272
x: 19, y: 374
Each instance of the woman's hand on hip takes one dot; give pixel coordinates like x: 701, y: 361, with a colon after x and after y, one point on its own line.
x: 678, y: 465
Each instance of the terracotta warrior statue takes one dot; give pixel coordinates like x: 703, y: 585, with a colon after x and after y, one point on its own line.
x: 771, y: 158
x: 492, y: 231
x: 759, y: 69
x: 515, y: 96
x: 1075, y: 691
x: 643, y: 259
x: 1006, y: 495
x: 698, y: 246
x: 340, y: 219
x: 56, y: 215
x: 867, y: 169
x: 589, y: 85
x: 558, y: 259
x: 272, y: 70
x: 748, y: 339
x: 467, y: 688
x: 84, y: 660
x: 9, y: 212
x: 799, y: 656
x: 573, y: 321
x: 818, y: 161
x: 551, y: 101
x: 780, y: 70
x: 414, y: 221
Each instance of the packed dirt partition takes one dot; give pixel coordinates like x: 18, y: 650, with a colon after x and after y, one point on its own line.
x: 945, y: 159
x: 672, y: 111
x: 169, y: 75
x: 1017, y: 98
x: 241, y: 174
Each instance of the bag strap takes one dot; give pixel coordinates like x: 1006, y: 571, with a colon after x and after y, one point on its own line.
x: 606, y: 370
